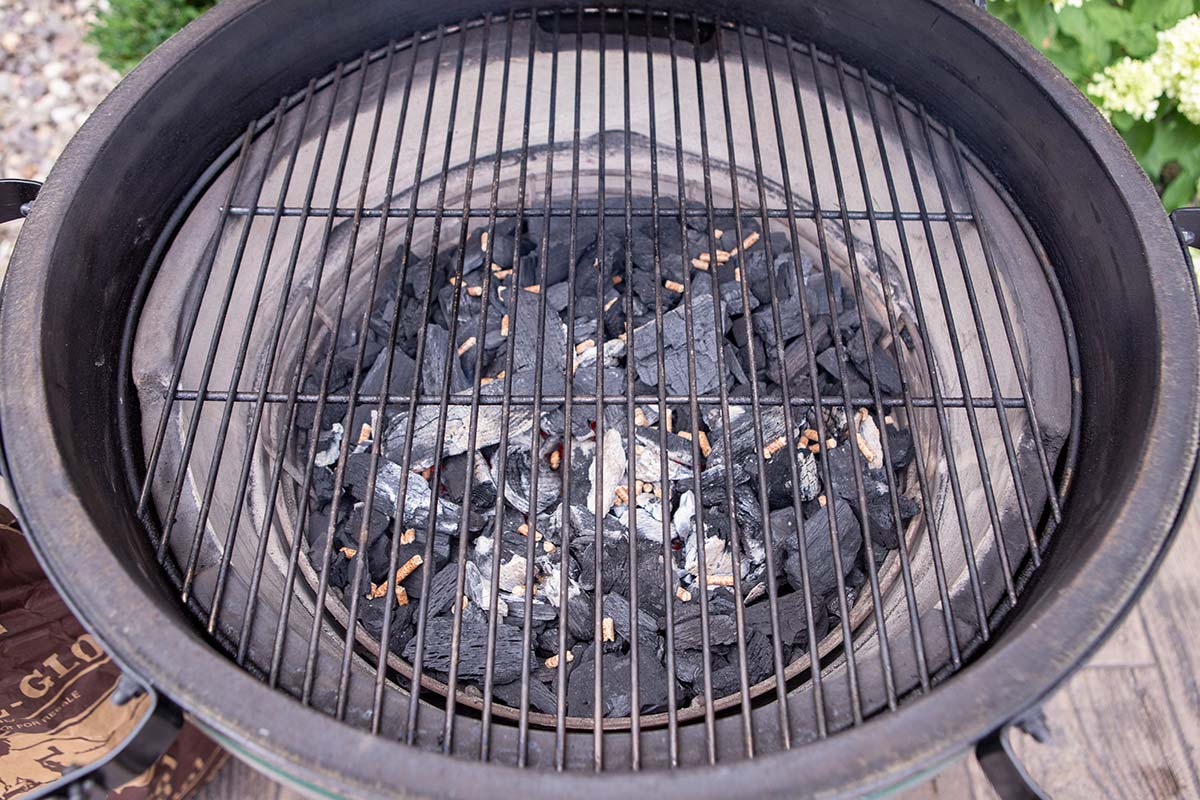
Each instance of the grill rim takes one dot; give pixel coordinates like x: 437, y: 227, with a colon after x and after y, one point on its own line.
x: 128, y: 616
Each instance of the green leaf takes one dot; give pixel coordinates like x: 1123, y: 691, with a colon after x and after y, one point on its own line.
x: 1171, y: 11
x: 1182, y: 190
x: 1040, y: 21
x: 1108, y: 22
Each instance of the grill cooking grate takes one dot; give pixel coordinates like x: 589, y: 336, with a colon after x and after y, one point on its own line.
x: 699, y: 122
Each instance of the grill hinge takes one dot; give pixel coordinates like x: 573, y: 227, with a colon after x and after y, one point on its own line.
x: 16, y: 198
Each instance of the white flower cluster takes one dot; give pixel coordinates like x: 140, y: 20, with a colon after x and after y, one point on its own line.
x: 1177, y: 61
x: 1135, y: 87
x: 1130, y: 86
x: 1059, y: 5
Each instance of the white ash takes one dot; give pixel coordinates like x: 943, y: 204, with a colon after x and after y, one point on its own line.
x: 333, y: 447
x: 612, y: 460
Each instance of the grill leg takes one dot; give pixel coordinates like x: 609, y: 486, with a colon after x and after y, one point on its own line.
x: 1004, y: 771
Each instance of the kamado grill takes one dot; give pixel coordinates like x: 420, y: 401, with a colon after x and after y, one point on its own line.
x: 443, y: 400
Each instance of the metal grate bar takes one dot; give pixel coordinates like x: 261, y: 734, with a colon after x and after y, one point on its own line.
x: 726, y: 444
x: 960, y: 367
x: 630, y: 424
x: 586, y: 212
x: 785, y: 384
x: 1009, y: 334
x: 236, y: 373
x: 918, y: 639
x: 885, y: 657
x: 248, y: 456
x: 852, y: 681
x: 598, y: 461
x: 560, y: 710
x: 814, y: 387
x: 989, y: 364
x: 926, y: 495
x: 393, y: 330
x: 660, y: 365
x: 191, y: 395
x: 694, y: 409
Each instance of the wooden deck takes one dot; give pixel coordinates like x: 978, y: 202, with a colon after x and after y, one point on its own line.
x: 1126, y: 726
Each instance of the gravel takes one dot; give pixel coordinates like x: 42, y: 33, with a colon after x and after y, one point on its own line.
x: 50, y: 81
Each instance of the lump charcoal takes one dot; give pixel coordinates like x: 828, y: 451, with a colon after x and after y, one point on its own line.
x: 779, y: 477
x: 442, y: 589
x: 616, y: 607
x: 818, y: 295
x: 403, y: 370
x: 417, y: 499
x: 727, y: 680
x: 456, y: 436
x: 472, y: 649
x: 353, y: 525
x: 731, y: 296
x: 885, y: 365
x: 651, y: 588
x: 793, y: 621
x: 557, y: 297
x: 580, y: 622
x: 900, y: 443
x: 844, y: 375
x: 618, y: 692
x: 822, y: 574
x: 477, y: 586
x: 524, y: 330
x: 743, y: 446
x: 614, y: 564
x: 433, y: 364
x: 649, y: 458
x: 420, y: 274
x: 518, y: 481
x: 733, y: 363
x: 689, y: 668
x: 541, y: 698
x: 540, y: 613
x: 675, y: 357
x: 468, y: 307
x: 453, y: 477
x: 791, y: 321
x: 722, y: 629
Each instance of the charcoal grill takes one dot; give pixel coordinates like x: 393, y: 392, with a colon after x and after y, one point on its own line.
x: 216, y: 244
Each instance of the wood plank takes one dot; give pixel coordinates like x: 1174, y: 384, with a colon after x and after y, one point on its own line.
x: 237, y: 781
x: 1168, y: 613
x: 1111, y: 737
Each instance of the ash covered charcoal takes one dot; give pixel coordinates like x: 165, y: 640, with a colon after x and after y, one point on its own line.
x: 523, y: 553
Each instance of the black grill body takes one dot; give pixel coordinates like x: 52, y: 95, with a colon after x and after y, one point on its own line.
x: 1107, y: 304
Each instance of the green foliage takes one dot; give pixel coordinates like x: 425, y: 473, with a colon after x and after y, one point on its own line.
x: 1083, y: 40
x: 129, y: 29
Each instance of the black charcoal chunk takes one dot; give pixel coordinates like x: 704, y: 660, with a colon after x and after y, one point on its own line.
x: 441, y: 589
x: 434, y: 364
x: 885, y: 366
x: 675, y: 356
x: 793, y: 619
x: 472, y: 653
x: 618, y: 691
x: 616, y: 607
x: 541, y: 698
x: 722, y: 628
x: 518, y: 483
x: 822, y: 574
x: 553, y: 349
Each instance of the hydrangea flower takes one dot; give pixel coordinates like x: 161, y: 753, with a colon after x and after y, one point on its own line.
x: 1177, y: 62
x: 1130, y: 86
